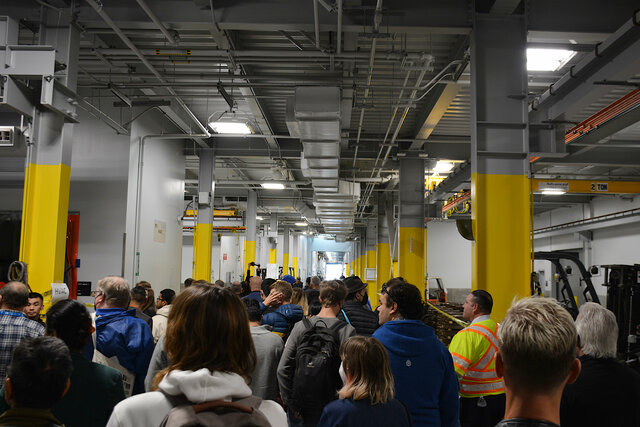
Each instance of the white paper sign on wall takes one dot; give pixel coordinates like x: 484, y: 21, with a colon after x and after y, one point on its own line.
x: 272, y: 271
x: 59, y: 291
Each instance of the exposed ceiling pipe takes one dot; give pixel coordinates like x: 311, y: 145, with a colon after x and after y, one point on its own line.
x: 369, y: 189
x: 143, y: 4
x: 145, y: 61
x: 316, y: 22
x: 376, y: 26
x: 339, y: 27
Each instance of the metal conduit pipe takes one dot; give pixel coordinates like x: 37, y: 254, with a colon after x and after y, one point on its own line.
x: 138, y: 53
x: 369, y: 189
x: 156, y: 20
x: 316, y: 22
x: 376, y: 25
x: 339, y: 27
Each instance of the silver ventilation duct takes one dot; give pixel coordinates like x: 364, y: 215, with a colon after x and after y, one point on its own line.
x: 314, y: 115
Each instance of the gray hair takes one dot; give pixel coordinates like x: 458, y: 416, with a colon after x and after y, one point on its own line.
x: 537, y: 342
x: 116, y: 291
x: 315, y: 281
x: 598, y: 331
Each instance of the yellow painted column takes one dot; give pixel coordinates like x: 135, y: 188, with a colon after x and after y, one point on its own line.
x: 372, y: 285
x: 411, y: 256
x: 273, y: 256
x: 294, y: 264
x: 348, y: 269
x: 383, y: 261
x: 411, y: 222
x: 45, y: 208
x: 285, y: 264
x: 202, y: 252
x: 249, y: 254
x: 501, y: 252
x: 396, y: 269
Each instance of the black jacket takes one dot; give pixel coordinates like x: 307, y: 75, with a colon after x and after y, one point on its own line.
x: 360, y: 317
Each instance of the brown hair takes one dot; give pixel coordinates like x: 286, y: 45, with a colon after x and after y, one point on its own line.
x: 283, y: 287
x: 366, y: 363
x: 208, y: 328
x: 332, y: 292
x: 151, y: 296
x: 299, y: 297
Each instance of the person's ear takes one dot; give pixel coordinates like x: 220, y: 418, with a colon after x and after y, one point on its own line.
x: 499, y: 365
x: 66, y: 388
x: 393, y: 309
x: 576, y: 367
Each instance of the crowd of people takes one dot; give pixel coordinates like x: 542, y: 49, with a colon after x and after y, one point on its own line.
x: 285, y: 353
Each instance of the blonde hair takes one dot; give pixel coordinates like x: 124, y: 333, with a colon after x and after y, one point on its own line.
x: 366, y: 363
x: 299, y: 297
x: 537, y: 344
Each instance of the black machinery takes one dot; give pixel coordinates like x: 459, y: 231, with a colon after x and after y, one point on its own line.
x: 568, y: 299
x: 623, y: 299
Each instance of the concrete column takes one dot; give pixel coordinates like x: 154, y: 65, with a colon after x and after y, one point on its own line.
x: 372, y: 237
x: 411, y: 221
x: 294, y: 253
x: 48, y: 172
x: 250, y: 229
x: 202, y: 238
x: 501, y: 257
x: 383, y: 254
x: 285, y: 250
x: 273, y: 232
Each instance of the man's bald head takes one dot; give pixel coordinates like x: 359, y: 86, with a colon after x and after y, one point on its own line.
x: 255, y: 283
x: 14, y: 296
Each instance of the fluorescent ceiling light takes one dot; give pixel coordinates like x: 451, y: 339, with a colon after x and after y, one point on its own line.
x: 301, y: 224
x: 554, y: 192
x: 259, y: 218
x: 547, y: 59
x: 240, y: 128
x: 443, y: 167
x: 272, y: 186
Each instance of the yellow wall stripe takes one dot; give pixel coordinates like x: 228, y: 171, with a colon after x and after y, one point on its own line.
x: 411, y: 256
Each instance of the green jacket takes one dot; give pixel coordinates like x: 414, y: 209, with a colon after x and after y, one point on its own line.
x: 28, y: 417
x: 95, y: 389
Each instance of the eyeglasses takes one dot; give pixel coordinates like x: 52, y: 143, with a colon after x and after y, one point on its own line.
x: 96, y: 293
x: 159, y: 299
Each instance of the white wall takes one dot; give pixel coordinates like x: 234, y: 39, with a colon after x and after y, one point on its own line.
x: 153, y: 225
x: 612, y: 245
x: 448, y: 254
x: 220, y: 268
x: 99, y: 172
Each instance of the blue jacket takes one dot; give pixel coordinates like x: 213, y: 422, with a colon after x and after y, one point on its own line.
x: 357, y: 413
x: 292, y: 312
x: 120, y: 333
x: 423, y: 372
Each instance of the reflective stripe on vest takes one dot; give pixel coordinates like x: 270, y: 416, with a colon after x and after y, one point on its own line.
x: 478, y: 379
x: 481, y: 388
x: 460, y: 361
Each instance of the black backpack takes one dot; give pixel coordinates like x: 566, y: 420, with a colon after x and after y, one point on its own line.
x: 316, y: 379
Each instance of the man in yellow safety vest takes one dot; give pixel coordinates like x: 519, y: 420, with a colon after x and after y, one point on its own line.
x: 474, y: 349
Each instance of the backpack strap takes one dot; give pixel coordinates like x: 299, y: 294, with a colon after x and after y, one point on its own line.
x: 345, y: 316
x: 307, y: 324
x: 338, y: 325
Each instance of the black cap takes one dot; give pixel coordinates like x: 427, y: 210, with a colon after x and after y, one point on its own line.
x: 354, y: 284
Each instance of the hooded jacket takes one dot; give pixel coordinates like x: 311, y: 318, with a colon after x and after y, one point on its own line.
x: 120, y: 333
x: 149, y: 409
x: 423, y: 372
x: 160, y: 322
x: 282, y: 317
